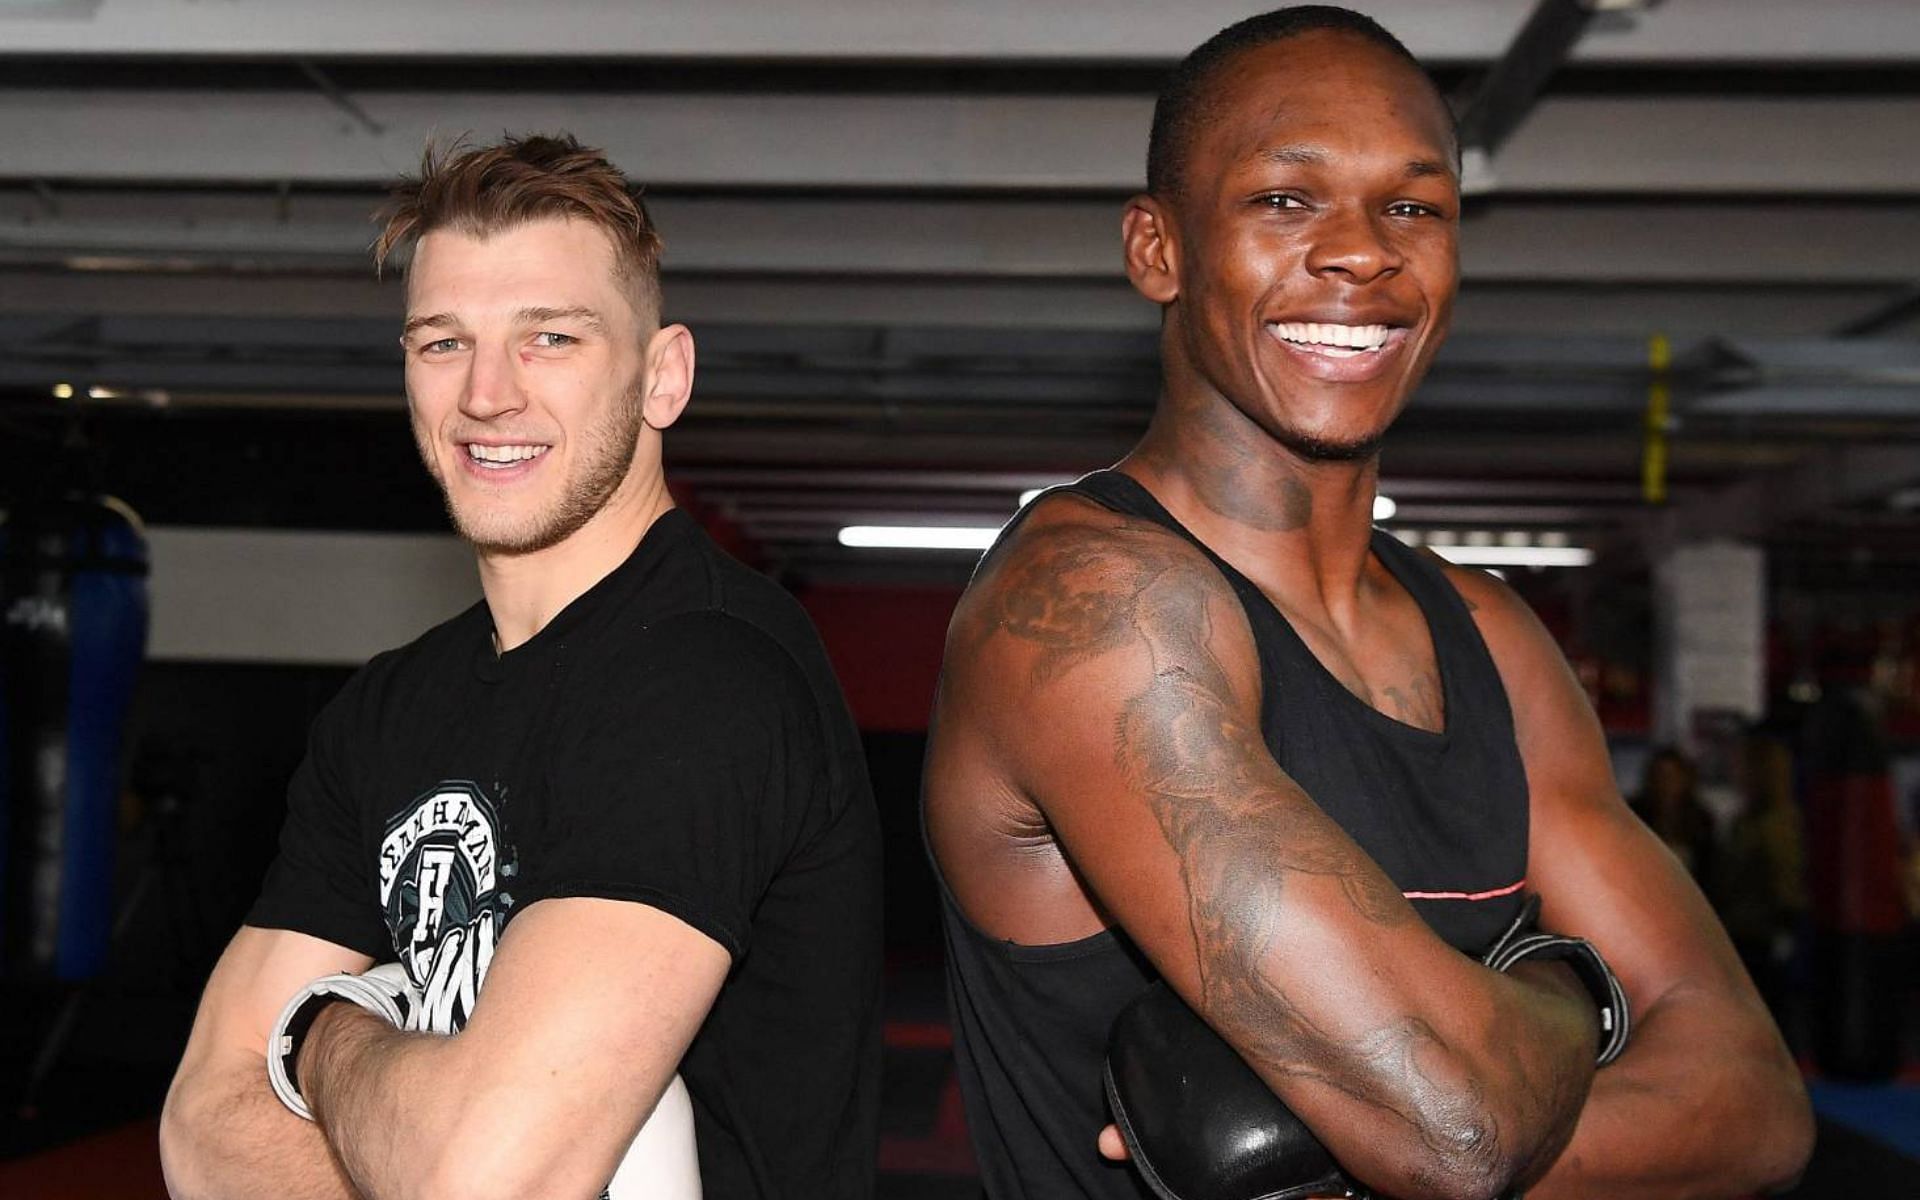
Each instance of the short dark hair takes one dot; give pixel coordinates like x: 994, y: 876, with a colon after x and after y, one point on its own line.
x: 1185, y: 104
x: 489, y: 189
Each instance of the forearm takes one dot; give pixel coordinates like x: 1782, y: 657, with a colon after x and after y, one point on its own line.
x: 1507, y: 1090
x: 1435, y: 1075
x: 230, y: 1137
x: 1548, y: 1075
x: 384, y: 1100
x: 1700, y: 1105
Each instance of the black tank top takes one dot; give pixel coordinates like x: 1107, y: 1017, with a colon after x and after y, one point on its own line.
x: 1444, y: 814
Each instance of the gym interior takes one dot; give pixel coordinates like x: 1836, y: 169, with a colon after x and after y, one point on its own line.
x: 1679, y: 413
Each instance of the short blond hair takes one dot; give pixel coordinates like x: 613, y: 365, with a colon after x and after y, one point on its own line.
x: 484, y: 190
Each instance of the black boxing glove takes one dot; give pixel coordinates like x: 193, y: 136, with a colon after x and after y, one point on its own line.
x: 1198, y: 1122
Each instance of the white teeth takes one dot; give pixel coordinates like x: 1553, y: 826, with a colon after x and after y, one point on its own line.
x: 1315, y: 333
x: 503, y: 455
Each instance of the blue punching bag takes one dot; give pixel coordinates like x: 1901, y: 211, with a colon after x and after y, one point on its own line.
x: 73, y: 595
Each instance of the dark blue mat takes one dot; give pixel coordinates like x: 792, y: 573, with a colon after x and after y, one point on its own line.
x: 1887, y: 1113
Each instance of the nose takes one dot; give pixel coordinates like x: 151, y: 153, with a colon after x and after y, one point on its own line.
x: 492, y: 385
x: 1350, y: 242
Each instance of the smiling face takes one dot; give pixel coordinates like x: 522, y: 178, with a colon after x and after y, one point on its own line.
x: 1310, y: 261
x: 524, y: 369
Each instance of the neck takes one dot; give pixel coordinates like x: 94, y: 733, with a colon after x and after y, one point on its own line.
x: 526, y: 590
x: 1297, y: 526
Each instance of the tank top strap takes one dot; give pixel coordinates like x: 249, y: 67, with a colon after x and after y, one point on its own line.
x: 1464, y: 660
x: 1274, y: 640
x: 1124, y: 494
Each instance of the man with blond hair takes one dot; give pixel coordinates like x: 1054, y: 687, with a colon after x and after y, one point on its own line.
x: 612, y: 821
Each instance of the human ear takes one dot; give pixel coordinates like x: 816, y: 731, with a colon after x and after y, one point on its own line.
x: 669, y: 378
x: 1152, y: 252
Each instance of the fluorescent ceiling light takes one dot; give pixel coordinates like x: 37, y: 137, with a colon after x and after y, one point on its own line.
x: 1514, y: 556
x: 1383, y: 506
x: 919, y: 537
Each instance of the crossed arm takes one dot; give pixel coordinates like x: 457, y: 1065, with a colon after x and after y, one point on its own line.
x: 1426, y: 1074
x: 1706, y: 1100
x: 589, y: 1005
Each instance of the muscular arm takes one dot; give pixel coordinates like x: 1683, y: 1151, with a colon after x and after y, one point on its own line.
x: 589, y: 1005
x: 223, y: 1133
x: 1706, y: 1100
x: 1425, y: 1074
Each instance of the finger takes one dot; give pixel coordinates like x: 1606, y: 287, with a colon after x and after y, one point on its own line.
x: 1111, y: 1144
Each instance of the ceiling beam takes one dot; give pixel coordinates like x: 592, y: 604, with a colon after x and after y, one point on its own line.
x: 1506, y: 96
x: 1887, y: 315
x: 1517, y: 241
x: 1804, y: 146
x: 911, y: 30
x: 1828, y: 477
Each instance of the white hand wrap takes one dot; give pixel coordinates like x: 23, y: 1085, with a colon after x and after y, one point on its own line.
x: 385, y: 991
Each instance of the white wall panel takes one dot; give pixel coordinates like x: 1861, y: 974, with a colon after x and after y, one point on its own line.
x: 244, y: 595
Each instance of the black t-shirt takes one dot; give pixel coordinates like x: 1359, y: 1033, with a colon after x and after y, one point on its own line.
x: 673, y: 737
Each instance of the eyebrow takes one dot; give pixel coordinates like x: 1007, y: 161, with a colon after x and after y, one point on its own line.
x: 431, y: 321
x: 526, y: 316
x: 535, y: 316
x: 1306, y: 155
x: 1295, y: 155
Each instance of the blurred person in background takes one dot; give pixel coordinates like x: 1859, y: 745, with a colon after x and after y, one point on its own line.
x: 1758, y: 882
x: 1669, y: 803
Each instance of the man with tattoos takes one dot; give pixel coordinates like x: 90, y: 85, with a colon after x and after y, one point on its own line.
x: 1200, y: 722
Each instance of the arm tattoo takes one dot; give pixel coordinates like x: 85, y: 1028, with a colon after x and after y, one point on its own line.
x: 1191, y: 743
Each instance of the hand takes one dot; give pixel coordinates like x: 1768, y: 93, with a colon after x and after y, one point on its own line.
x: 1112, y: 1145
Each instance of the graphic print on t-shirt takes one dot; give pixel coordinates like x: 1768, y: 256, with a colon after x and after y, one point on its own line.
x: 440, y: 871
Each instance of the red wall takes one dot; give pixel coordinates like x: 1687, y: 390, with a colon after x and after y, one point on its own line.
x: 885, y: 643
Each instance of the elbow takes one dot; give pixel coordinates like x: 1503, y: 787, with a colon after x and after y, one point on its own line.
x: 1457, y: 1154
x: 1784, y: 1136
x: 1764, y: 1115
x: 1468, y: 1147
x: 1466, y: 1161
x: 182, y: 1162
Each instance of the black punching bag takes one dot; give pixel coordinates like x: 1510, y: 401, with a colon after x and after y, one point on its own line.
x: 1853, y: 881
x: 73, y: 594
